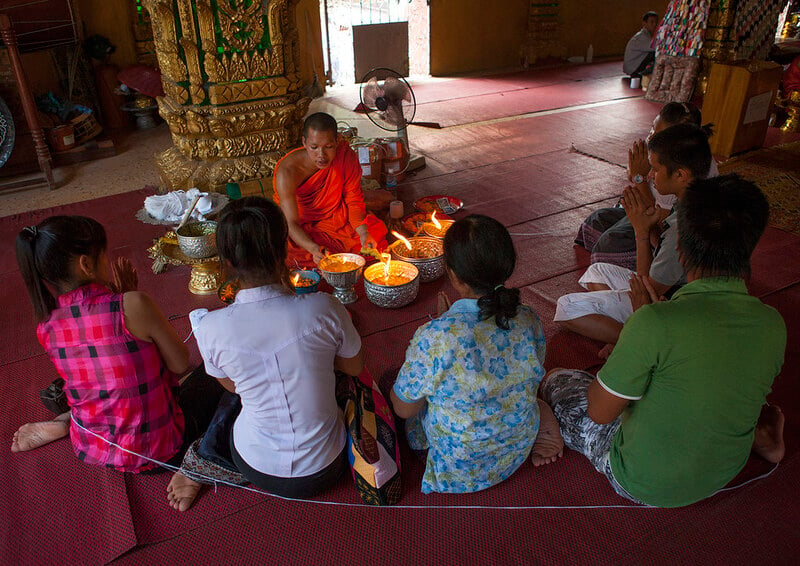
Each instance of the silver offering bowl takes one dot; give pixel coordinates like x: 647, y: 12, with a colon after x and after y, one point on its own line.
x: 342, y: 281
x: 431, y: 230
x: 391, y: 296
x: 198, y: 240
x: 431, y: 265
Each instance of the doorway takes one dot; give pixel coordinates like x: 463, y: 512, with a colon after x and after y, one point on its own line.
x: 359, y: 35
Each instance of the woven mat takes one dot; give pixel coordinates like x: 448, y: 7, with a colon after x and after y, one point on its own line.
x: 776, y: 170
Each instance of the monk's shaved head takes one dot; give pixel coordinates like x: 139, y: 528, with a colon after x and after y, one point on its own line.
x: 320, y: 122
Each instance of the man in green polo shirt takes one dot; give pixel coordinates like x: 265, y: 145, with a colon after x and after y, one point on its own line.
x: 673, y: 415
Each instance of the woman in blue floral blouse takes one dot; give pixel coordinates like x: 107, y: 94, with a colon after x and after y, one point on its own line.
x: 468, y: 385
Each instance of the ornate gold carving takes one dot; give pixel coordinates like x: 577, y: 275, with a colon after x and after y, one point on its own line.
x: 179, y: 172
x: 176, y: 92
x: 195, y: 74
x: 234, y: 92
x: 215, y: 148
x: 232, y: 102
x: 242, y: 26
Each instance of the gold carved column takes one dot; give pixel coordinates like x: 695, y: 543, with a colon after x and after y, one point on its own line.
x: 719, y: 42
x: 233, y: 98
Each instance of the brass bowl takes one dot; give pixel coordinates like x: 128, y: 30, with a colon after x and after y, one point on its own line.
x: 342, y: 281
x: 198, y: 240
x: 430, y: 268
x: 391, y: 296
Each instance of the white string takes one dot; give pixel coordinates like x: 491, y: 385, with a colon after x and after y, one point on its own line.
x: 190, y: 335
x: 554, y: 233
x: 215, y: 482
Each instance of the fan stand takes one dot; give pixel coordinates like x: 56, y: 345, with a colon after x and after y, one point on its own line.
x: 414, y: 161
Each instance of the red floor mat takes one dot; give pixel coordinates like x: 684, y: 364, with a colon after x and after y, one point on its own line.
x: 55, y: 509
x: 524, y: 189
x: 591, y: 130
x: 520, y: 172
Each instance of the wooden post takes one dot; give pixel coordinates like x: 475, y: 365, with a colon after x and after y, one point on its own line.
x: 28, y: 105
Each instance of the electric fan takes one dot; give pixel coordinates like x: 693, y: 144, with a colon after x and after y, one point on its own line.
x: 389, y: 102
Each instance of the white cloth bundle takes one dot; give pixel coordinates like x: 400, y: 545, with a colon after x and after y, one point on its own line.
x: 171, y: 206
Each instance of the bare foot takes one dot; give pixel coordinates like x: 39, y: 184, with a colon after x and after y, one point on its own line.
x: 548, y: 446
x: 768, y: 440
x: 182, y: 491
x: 605, y: 351
x: 34, y: 435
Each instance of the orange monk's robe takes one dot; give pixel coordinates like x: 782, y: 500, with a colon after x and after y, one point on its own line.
x: 330, y: 206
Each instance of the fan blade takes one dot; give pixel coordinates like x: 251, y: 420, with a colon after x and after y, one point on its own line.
x: 435, y: 125
x: 394, y: 115
x: 396, y: 90
x: 370, y: 92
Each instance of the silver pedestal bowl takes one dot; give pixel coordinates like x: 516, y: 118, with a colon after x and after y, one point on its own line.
x: 342, y: 281
x: 391, y: 296
x: 198, y: 240
x: 426, y: 254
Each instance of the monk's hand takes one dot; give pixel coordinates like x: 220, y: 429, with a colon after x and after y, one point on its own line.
x: 367, y: 241
x: 638, y: 162
x: 319, y: 254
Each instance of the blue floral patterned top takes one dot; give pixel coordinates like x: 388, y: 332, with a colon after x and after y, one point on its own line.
x: 480, y: 382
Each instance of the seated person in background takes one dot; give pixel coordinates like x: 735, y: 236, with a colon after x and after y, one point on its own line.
x: 318, y: 188
x: 607, y: 233
x: 277, y: 351
x: 469, y: 382
x: 114, y: 348
x: 674, y: 413
x: 678, y: 155
x: 639, y: 53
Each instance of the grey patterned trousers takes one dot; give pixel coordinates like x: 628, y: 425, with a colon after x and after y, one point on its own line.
x: 565, y: 392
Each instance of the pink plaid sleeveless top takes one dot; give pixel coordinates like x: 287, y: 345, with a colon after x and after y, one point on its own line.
x: 117, y: 385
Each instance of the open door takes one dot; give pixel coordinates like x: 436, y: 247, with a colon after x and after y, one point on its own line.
x: 364, y: 34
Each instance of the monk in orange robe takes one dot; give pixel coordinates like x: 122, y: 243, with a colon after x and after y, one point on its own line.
x: 318, y: 187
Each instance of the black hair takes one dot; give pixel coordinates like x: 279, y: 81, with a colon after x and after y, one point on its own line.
x: 252, y: 235
x: 682, y: 146
x: 648, y: 15
x: 479, y: 251
x: 45, y: 254
x: 720, y: 221
x: 320, y: 122
x: 673, y: 113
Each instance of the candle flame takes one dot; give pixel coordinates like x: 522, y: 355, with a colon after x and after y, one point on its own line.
x: 402, y: 238
x: 387, y: 260
x: 296, y: 279
x: 435, y: 221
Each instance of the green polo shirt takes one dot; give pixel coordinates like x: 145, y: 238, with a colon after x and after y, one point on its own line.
x: 697, y: 370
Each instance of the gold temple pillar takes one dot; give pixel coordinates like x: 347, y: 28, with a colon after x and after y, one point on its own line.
x: 719, y: 42
x: 233, y: 98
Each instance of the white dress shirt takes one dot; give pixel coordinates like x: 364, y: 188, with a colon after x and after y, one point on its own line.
x: 278, y: 349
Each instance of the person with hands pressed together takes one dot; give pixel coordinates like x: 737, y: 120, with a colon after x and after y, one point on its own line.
x: 673, y: 415
x: 115, y: 350
x: 607, y: 232
x: 318, y: 188
x: 677, y: 156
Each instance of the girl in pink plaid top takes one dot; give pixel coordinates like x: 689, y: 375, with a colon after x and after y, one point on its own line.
x: 110, y: 343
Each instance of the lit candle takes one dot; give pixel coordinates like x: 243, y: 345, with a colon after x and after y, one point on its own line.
x: 435, y: 227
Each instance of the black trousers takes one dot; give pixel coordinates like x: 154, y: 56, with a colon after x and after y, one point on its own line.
x: 296, y: 488
x: 646, y: 66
